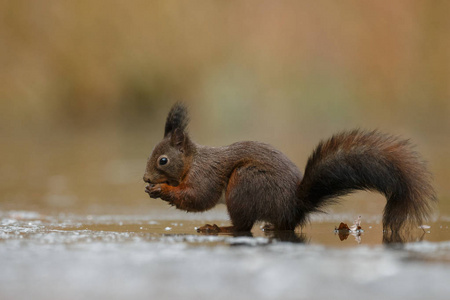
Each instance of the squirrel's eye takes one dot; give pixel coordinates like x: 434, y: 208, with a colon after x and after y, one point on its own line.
x: 163, y: 161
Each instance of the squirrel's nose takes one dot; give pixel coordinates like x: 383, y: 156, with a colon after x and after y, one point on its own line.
x: 146, y: 179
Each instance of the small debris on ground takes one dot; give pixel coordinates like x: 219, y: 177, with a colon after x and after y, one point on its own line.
x: 344, y: 231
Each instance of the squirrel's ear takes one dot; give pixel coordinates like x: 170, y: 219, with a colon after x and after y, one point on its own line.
x: 178, y: 139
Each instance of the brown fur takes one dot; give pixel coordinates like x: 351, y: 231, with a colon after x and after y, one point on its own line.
x: 261, y: 184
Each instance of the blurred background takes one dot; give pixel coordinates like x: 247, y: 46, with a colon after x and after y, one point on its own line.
x: 85, y: 87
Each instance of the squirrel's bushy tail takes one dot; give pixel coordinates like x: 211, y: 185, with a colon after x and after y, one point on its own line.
x: 360, y: 160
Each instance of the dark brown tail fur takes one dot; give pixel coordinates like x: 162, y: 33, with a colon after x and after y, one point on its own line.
x: 176, y: 119
x: 360, y: 160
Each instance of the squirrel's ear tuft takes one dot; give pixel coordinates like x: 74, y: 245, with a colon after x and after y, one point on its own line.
x: 177, y: 119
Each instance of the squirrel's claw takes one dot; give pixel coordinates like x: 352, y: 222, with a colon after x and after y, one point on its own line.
x: 154, y: 190
x: 209, y: 229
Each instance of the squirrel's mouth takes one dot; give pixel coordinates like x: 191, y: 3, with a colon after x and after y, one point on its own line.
x: 152, y: 184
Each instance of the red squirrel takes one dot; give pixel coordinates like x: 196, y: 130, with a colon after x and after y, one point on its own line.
x: 261, y: 184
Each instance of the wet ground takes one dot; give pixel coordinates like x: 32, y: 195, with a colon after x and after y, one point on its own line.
x: 70, y: 256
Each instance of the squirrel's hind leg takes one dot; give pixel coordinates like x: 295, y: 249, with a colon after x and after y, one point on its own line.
x: 241, y: 198
x: 238, y: 198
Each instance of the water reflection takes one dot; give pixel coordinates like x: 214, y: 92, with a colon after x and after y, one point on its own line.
x: 394, y: 239
x: 344, y: 234
x: 276, y: 236
x: 288, y: 236
x: 397, y: 238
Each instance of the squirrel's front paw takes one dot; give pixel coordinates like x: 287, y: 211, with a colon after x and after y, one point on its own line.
x: 209, y: 229
x: 154, y: 190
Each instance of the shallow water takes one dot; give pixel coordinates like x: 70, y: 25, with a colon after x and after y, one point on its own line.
x: 69, y: 256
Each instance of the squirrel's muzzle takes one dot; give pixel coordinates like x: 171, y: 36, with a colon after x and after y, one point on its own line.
x: 146, y: 179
